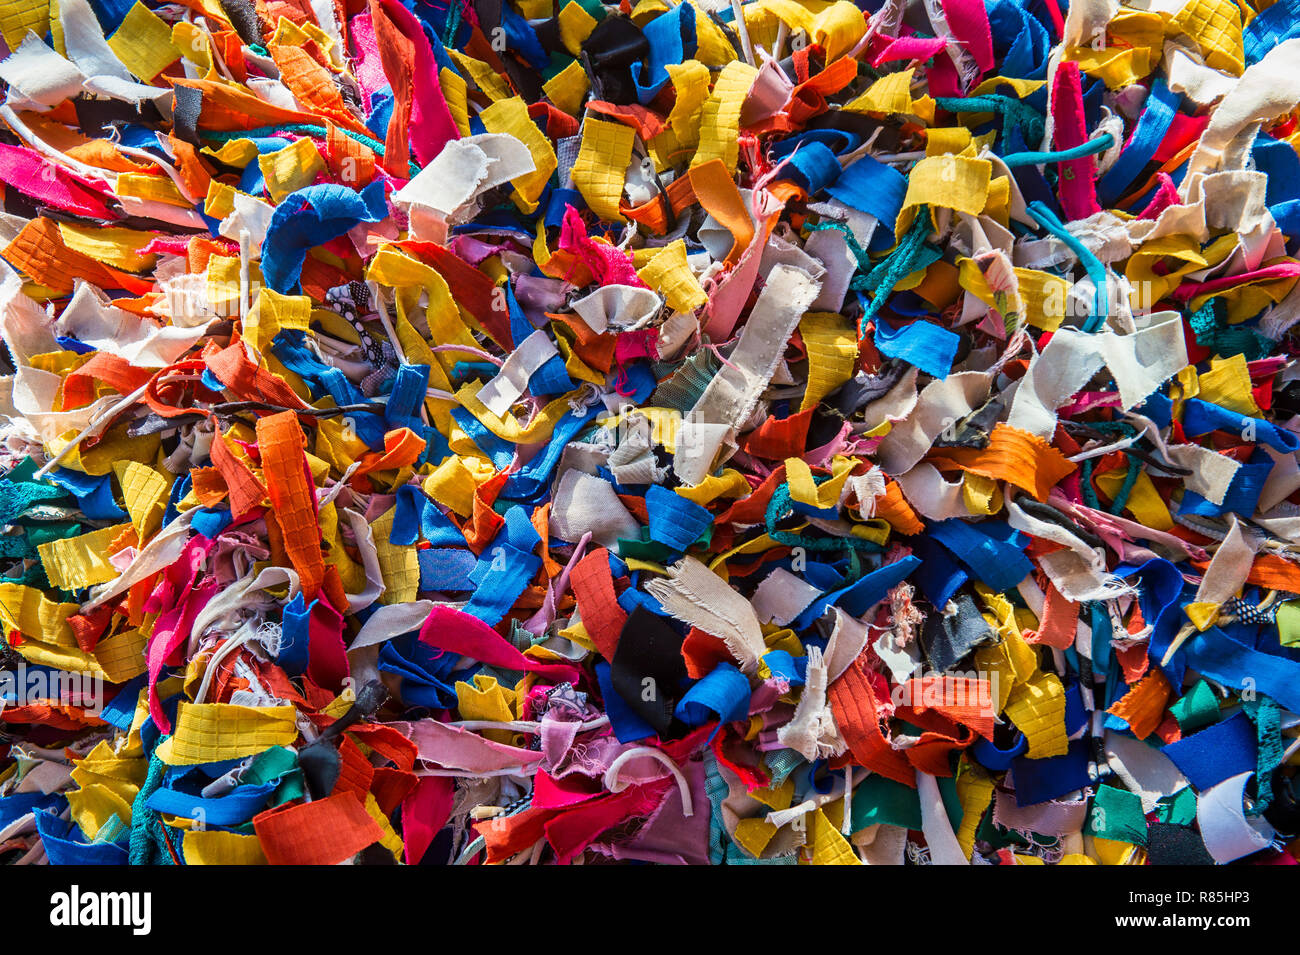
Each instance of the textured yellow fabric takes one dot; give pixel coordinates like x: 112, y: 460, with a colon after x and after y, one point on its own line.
x: 975, y: 790
x: 488, y: 80
x: 456, y: 92
x: 828, y: 845
x: 568, y: 88
x: 601, y: 167
x: 273, y: 312
x: 691, y: 83
x: 805, y: 490
x: 832, y: 346
x: 452, y: 484
x: 223, y: 283
x: 91, y: 807
x: 946, y: 139
x: 981, y: 495
x: 719, y: 124
x: 143, y: 42
x: 399, y: 565
x: 19, y: 16
x: 669, y: 274
x: 292, y: 168
x: 31, y: 613
x: 155, y: 188
x: 511, y: 116
x: 212, y: 732
x: 729, y: 484
x: 779, y: 798
x: 753, y: 835
x: 81, y: 561
x: 193, y: 44
x: 1115, y: 66
x: 1144, y: 501
x: 122, y: 655
x: 539, y: 428
x: 1037, y: 708
x: 1158, y: 266
x: 485, y: 699
x: 144, y: 491
x: 215, y: 847
x: 390, y: 840
x: 1215, y: 25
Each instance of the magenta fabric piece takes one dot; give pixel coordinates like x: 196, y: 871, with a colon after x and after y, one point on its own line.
x: 608, y: 265
x: 457, y: 632
x: 552, y: 793
x: 431, y: 125
x: 969, y: 22
x: 1077, y: 186
x: 425, y: 810
x: 368, y: 69
x: 53, y: 184
x: 327, y: 664
x: 170, y: 633
x: 1283, y: 270
x: 910, y: 48
x: 1166, y: 196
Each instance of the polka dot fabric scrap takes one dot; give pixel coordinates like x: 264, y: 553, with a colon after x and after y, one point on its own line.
x: 712, y: 432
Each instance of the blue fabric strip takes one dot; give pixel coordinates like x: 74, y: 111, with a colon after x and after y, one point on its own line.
x: 1152, y: 125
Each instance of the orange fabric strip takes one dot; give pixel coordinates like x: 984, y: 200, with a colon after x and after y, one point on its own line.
x: 292, y: 493
x: 321, y: 832
x: 1012, y: 455
x: 593, y: 585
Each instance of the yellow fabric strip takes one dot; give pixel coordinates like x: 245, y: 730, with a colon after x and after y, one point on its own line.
x: 212, y: 732
x: 115, y: 246
x: 292, y: 168
x: 568, y: 88
x: 214, y: 847
x: 601, y: 167
x: 949, y: 182
x: 720, y: 123
x: 77, y: 562
x: 832, y: 346
x: 400, y: 566
x: 143, y: 42
x: 511, y: 116
x: 669, y: 274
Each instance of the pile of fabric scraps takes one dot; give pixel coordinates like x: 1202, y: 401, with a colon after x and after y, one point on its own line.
x: 689, y: 431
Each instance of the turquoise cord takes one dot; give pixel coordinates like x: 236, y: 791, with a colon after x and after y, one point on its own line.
x: 1091, y: 264
x: 1090, y: 148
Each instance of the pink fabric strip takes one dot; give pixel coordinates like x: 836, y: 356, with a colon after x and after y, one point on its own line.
x: 52, y: 184
x: 452, y: 748
x: 327, y: 655
x: 969, y: 23
x: 1077, y: 185
x: 910, y: 48
x: 1166, y: 196
x: 458, y: 632
x: 172, y: 629
x: 431, y: 125
x: 425, y: 810
x: 1282, y: 270
x: 368, y: 69
x: 608, y: 265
